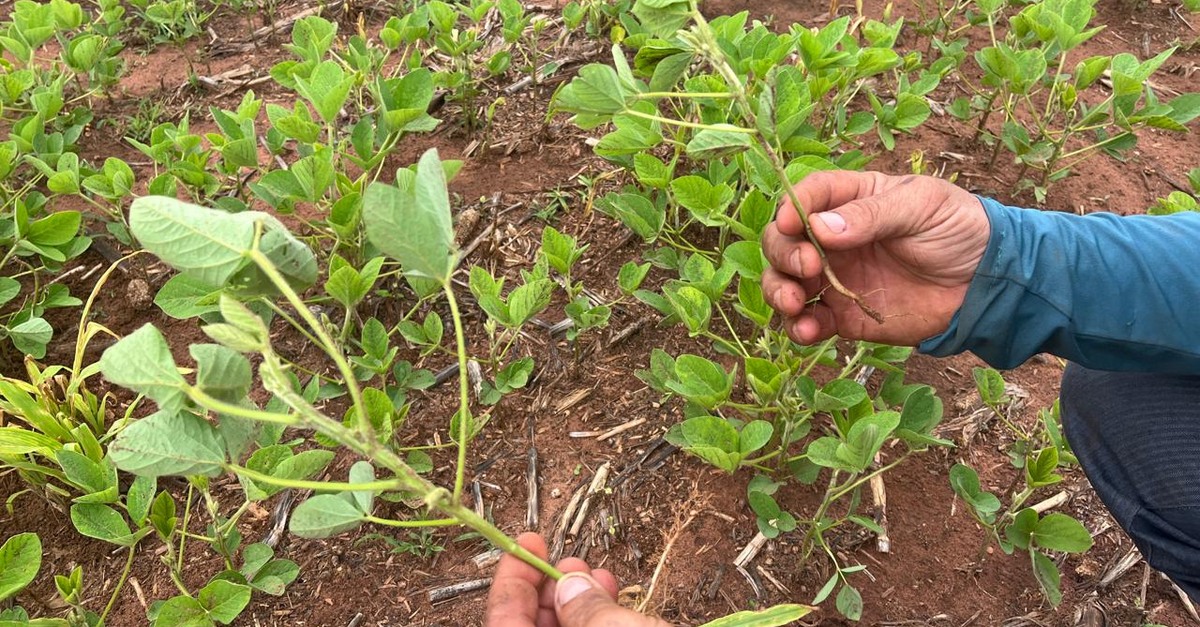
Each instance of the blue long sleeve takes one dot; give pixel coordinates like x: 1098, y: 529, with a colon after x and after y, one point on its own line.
x: 1107, y: 292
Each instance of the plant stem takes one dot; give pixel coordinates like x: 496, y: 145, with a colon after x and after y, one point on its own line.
x: 464, y: 408
x: 717, y: 59
x: 409, y: 524
x: 112, y: 600
x: 684, y: 123
x: 686, y: 94
x: 187, y: 514
x: 332, y: 349
x: 300, y: 484
x: 275, y: 381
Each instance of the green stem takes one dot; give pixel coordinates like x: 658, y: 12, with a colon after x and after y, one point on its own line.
x: 684, y: 123
x: 331, y: 348
x: 187, y: 515
x: 299, y: 484
x: 670, y: 94
x: 221, y: 407
x: 112, y: 600
x: 821, y: 350
x: 720, y: 63
x: 464, y: 409
x: 275, y: 381
x: 409, y: 524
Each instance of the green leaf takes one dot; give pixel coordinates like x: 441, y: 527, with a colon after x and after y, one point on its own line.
x: 221, y: 372
x: 663, y: 18
x: 701, y: 381
x: 325, y: 515
x: 717, y: 142
x: 1047, y: 576
x: 182, y: 611
x: 596, y: 91
x: 20, y: 559
x: 184, y: 296
x: 362, y: 472
x: 839, y: 394
x: 1020, y: 531
x: 990, y: 384
x: 9, y: 288
x: 650, y: 171
x: 274, y: 578
x: 636, y: 212
x: 1185, y: 108
x: 31, y: 336
x: 528, y: 300
x: 212, y: 245
x: 139, y: 498
x: 515, y: 375
x: 772, y: 617
x: 104, y: 523
x: 55, y: 229
x: 631, y: 275
x: 691, y: 305
x: 98, y: 481
x: 965, y: 482
x: 865, y: 439
x: 169, y: 443
x: 849, y: 602
x: 1040, y: 470
x: 710, y: 431
x: 1060, y: 532
x: 413, y: 225
x: 224, y: 600
x: 826, y: 589
x: 142, y: 362
x: 754, y: 436
x: 327, y: 88
x: 706, y: 202
x: 18, y: 441
x: 279, y: 462
x: 746, y: 258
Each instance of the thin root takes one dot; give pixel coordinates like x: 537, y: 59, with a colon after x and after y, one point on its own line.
x: 848, y: 293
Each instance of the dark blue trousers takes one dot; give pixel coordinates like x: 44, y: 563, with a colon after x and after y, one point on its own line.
x: 1137, y: 437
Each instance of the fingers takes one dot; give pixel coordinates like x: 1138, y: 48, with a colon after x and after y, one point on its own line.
x: 582, y: 601
x: 783, y: 293
x: 607, y: 580
x: 823, y: 191
x: 793, y: 255
x: 816, y: 324
x: 568, y: 565
x: 513, y: 600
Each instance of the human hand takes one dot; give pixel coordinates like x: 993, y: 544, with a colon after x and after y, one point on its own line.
x: 907, y: 245
x: 521, y: 596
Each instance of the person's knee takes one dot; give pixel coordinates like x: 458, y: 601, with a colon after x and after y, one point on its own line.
x: 1169, y: 539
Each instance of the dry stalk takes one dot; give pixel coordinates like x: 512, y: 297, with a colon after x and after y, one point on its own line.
x: 677, y: 530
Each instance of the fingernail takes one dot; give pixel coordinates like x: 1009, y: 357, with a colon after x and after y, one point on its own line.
x: 797, y: 265
x: 834, y: 221
x: 570, y: 587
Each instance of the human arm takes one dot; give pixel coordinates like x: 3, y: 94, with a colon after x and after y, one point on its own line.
x: 1105, y: 291
x: 953, y: 272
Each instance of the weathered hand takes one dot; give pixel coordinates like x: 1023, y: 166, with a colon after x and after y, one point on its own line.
x: 908, y: 245
x: 523, y: 597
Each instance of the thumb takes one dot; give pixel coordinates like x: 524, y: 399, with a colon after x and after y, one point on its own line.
x: 861, y: 222
x: 580, y: 601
